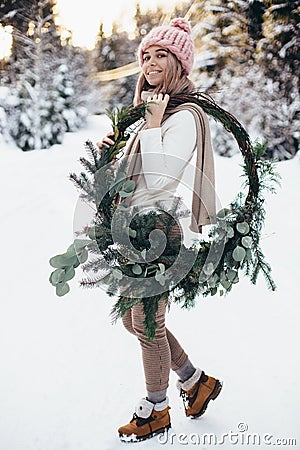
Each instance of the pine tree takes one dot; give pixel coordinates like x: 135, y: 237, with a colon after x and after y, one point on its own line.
x: 48, y: 79
x: 147, y: 20
x: 238, y: 40
x: 263, y: 108
x: 72, y: 88
x: 111, y: 52
x: 281, y: 43
x: 21, y: 14
x: 279, y: 55
x: 255, y: 13
x: 228, y: 32
x: 36, y: 121
x: 98, y: 50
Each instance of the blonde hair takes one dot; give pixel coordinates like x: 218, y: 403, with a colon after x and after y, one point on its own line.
x: 175, y: 81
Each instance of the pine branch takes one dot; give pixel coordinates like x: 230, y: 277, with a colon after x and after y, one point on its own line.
x: 89, y: 282
x: 93, y: 154
x: 122, y: 305
x: 90, y: 167
x: 150, y: 307
x: 81, y: 184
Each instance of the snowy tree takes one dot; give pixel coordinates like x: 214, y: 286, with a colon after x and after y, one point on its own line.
x: 280, y: 47
x: 36, y: 121
x: 98, y: 53
x: 72, y: 88
x: 263, y: 109
x: 21, y: 14
x: 48, y: 79
x: 226, y: 34
x: 279, y: 55
x: 7, y: 103
x: 247, y: 53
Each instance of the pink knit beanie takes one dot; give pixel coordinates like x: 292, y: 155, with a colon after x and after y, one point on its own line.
x: 175, y: 37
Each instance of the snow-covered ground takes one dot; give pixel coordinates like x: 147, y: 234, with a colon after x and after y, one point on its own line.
x: 69, y: 378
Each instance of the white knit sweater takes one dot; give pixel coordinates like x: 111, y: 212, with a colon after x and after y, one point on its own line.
x: 165, y: 152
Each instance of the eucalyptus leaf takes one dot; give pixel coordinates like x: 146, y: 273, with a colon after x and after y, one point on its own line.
x: 144, y: 253
x: 107, y: 279
x: 50, y: 279
x: 161, y: 267
x: 246, y: 241
x: 62, y: 289
x: 220, y: 235
x: 83, y: 255
x: 208, y: 268
x: 223, y: 275
x: 81, y: 243
x: 223, y: 213
x: 238, y: 253
x: 160, y: 278
x: 117, y: 273
x: 131, y: 232
x: 69, y: 274
x: 202, y: 277
x: 121, y: 176
x: 70, y: 252
x: 61, y: 261
x: 242, y: 227
x: 229, y: 232
x: 212, y: 282
x: 56, y: 261
x: 57, y: 276
x: 71, y: 261
x: 136, y: 269
x: 231, y: 274
x: 236, y: 279
x: 226, y: 284
x: 117, y: 185
x: 248, y: 256
x: 124, y: 193
x: 128, y: 186
x: 76, y: 263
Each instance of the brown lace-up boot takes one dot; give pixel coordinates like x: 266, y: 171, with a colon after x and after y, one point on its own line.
x: 148, y: 420
x: 197, y: 392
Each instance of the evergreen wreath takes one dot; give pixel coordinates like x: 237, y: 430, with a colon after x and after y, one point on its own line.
x: 235, y: 236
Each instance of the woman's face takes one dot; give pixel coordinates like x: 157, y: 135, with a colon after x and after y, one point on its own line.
x: 155, y: 60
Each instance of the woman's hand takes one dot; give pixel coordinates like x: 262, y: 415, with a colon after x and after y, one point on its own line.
x: 105, y: 140
x: 157, y: 110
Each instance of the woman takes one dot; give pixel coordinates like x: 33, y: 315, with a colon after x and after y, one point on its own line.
x: 165, y: 145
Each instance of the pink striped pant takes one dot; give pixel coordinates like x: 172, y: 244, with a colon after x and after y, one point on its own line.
x: 159, y: 355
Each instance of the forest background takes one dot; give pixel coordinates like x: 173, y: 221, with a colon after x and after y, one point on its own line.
x: 247, y: 59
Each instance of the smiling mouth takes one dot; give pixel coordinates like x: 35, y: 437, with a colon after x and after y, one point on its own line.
x: 154, y: 72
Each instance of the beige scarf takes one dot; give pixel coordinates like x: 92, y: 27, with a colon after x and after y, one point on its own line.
x: 203, y: 202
